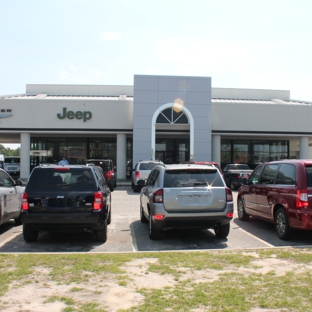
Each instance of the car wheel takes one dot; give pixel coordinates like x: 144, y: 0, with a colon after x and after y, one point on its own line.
x: 222, y: 231
x: 109, y: 219
x: 136, y: 188
x: 154, y: 233
x: 232, y: 185
x: 242, y: 215
x: 101, y: 235
x: 282, y: 227
x: 29, y: 234
x: 18, y: 220
x: 142, y: 216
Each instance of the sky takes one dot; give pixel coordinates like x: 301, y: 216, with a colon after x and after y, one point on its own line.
x: 238, y: 43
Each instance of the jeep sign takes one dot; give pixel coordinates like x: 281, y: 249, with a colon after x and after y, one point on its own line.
x: 78, y: 115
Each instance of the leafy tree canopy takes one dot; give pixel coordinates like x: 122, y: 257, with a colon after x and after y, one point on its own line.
x: 10, y: 152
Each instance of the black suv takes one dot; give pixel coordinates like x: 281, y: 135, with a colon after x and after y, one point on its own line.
x: 66, y: 197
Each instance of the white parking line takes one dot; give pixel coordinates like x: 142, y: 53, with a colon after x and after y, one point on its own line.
x: 134, y: 242
x: 9, y: 239
x: 259, y: 239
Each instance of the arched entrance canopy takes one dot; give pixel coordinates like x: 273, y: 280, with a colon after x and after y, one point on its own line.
x: 173, y: 114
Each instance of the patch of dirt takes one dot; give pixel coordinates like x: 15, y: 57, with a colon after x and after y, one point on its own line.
x: 37, y: 292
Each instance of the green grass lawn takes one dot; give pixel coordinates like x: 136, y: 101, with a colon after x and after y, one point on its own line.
x: 269, y: 279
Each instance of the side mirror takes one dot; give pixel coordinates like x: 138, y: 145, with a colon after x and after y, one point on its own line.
x: 142, y: 183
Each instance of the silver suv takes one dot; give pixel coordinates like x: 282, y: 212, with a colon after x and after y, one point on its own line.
x: 186, y: 196
x: 141, y: 171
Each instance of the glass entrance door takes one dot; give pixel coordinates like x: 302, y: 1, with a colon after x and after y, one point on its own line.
x: 172, y: 151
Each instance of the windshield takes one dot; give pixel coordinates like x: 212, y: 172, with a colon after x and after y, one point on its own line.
x: 147, y: 166
x: 55, y: 180
x: 192, y: 178
x: 13, y: 160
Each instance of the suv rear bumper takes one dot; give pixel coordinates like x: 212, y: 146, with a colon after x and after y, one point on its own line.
x: 200, y: 220
x: 45, y: 221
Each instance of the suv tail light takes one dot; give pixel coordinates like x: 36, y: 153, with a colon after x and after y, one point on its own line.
x: 302, y: 199
x: 98, y: 201
x: 137, y: 174
x: 25, y: 204
x: 158, y: 196
x: 229, y: 195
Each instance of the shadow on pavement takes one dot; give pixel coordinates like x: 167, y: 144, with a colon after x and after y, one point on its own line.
x: 266, y: 232
x: 176, y: 239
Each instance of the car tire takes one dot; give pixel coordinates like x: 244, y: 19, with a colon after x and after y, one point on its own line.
x: 242, y: 215
x: 29, y: 234
x: 142, y: 215
x: 109, y: 218
x: 132, y: 185
x: 18, y: 220
x: 136, y: 188
x: 282, y: 227
x: 154, y: 232
x: 101, y: 235
x: 232, y: 185
x: 222, y: 231
x: 111, y: 188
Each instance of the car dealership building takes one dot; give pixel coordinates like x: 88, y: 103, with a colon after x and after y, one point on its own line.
x: 170, y: 118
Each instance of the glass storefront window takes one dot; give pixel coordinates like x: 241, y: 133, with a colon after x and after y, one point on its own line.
x: 226, y: 151
x: 76, y: 150
x: 253, y: 152
x: 241, y: 151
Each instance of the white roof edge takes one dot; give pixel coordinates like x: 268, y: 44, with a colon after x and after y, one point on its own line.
x: 10, y: 95
x: 249, y: 94
x: 66, y: 89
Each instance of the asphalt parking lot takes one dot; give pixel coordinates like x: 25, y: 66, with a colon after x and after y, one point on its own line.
x: 126, y: 233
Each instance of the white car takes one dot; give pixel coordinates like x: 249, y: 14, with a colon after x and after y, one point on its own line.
x: 10, y: 198
x: 141, y: 171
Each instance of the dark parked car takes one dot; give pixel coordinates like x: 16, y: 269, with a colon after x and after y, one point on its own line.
x: 279, y: 192
x: 232, y: 174
x: 186, y: 196
x: 66, y: 198
x: 109, y: 170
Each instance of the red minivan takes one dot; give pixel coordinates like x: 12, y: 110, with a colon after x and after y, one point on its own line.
x: 279, y: 192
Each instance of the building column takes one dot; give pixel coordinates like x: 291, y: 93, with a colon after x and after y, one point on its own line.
x: 216, y: 148
x: 304, y: 147
x: 121, y: 156
x: 25, y: 155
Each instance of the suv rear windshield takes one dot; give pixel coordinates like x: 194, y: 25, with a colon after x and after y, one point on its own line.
x: 192, y: 177
x: 55, y: 180
x: 147, y: 166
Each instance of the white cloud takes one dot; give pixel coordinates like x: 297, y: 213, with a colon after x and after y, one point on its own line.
x: 97, y: 73
x: 107, y: 35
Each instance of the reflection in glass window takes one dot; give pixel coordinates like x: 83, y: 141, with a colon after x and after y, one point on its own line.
x: 268, y: 174
x: 286, y: 174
